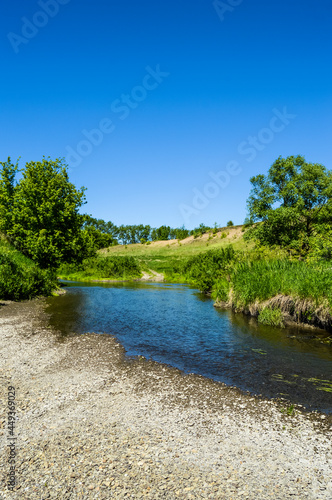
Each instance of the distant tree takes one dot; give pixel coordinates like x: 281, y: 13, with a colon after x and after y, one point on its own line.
x: 291, y: 202
x: 181, y: 233
x: 230, y: 223
x: 142, y: 232
x: 100, y: 234
x: 161, y: 233
x: 200, y: 230
x: 98, y: 239
x: 43, y: 221
x: 247, y: 222
x: 122, y: 234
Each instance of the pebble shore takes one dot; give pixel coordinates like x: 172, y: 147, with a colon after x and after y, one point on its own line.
x: 93, y: 424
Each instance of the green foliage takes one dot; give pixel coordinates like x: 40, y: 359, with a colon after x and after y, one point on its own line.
x: 99, y: 234
x: 181, y: 233
x: 43, y: 221
x: 161, y: 233
x: 320, y: 244
x: 272, y: 317
x: 20, y: 278
x: 132, y: 234
x: 95, y: 240
x: 7, y: 189
x: 220, y: 290
x: 290, y: 202
x: 204, y: 269
x: 260, y: 280
x: 230, y: 223
x: 115, y: 267
x: 200, y: 230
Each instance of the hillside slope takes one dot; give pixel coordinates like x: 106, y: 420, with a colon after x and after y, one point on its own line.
x: 160, y: 256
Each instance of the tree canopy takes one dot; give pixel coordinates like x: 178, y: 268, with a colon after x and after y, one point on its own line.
x: 40, y: 213
x: 292, y: 203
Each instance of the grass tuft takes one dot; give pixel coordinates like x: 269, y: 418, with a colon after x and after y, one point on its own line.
x: 272, y: 317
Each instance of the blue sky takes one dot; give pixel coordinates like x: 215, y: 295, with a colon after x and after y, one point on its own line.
x: 165, y: 110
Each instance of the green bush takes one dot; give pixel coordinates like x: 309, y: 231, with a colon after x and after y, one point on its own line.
x: 103, y: 267
x: 204, y: 269
x: 22, y: 279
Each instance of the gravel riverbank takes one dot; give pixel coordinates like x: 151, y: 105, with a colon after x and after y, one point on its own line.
x: 93, y: 424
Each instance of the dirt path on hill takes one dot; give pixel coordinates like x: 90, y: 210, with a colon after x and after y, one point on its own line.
x: 152, y: 276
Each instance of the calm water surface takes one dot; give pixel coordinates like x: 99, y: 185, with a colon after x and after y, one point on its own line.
x: 177, y: 325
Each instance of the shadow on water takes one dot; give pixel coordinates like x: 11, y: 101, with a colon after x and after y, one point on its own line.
x: 177, y: 325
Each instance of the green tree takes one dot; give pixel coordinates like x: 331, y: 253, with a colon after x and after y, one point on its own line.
x: 161, y: 233
x: 290, y: 202
x: 99, y: 234
x: 45, y: 224
x: 230, y: 223
x: 181, y: 233
x: 7, y: 188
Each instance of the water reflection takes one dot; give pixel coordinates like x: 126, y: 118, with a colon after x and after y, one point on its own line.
x: 175, y: 324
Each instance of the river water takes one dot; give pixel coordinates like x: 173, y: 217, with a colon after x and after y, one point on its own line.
x: 177, y: 325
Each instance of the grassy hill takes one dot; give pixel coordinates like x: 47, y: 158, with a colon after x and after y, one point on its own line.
x: 162, y: 256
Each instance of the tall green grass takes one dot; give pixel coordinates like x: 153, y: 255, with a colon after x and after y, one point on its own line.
x: 115, y: 267
x: 20, y: 278
x: 261, y: 280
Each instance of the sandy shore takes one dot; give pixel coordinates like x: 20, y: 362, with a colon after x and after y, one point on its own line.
x: 93, y: 424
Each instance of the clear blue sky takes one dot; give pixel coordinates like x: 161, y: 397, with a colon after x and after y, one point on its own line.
x: 177, y: 89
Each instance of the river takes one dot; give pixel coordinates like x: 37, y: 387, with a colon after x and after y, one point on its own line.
x: 177, y: 325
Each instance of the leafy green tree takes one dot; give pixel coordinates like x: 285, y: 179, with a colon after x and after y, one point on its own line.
x: 181, y: 233
x: 143, y: 232
x: 7, y: 188
x: 230, y: 223
x: 45, y: 224
x: 200, y: 230
x: 98, y: 233
x: 161, y: 233
x: 291, y: 202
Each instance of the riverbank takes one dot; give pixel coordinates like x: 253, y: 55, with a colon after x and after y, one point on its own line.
x: 289, y: 311
x: 93, y: 424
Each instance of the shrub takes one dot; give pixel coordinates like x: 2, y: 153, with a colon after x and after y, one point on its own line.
x: 21, y: 279
x: 103, y: 267
x: 204, y: 269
